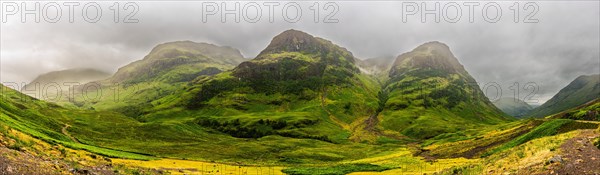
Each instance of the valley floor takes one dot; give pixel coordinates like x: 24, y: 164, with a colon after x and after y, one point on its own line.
x: 570, y: 146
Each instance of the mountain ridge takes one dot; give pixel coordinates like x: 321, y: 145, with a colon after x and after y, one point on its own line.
x: 428, y: 88
x: 581, y: 90
x: 187, y: 56
x: 432, y: 55
x: 79, y: 75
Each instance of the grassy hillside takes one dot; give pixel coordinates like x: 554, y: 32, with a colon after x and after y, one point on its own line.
x: 178, y: 62
x: 583, y: 89
x: 588, y: 111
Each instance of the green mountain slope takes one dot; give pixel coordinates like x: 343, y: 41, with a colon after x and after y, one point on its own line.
x: 580, y: 91
x: 179, y: 61
x: 167, y: 68
x: 299, y: 86
x: 512, y: 106
x: 430, y: 93
x: 52, y: 123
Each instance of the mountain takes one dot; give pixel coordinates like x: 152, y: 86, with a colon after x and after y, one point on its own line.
x: 80, y: 75
x: 178, y: 62
x: 294, y: 61
x: 512, y: 106
x: 164, y: 70
x: 430, y: 93
x: 583, y: 89
x: 309, y: 83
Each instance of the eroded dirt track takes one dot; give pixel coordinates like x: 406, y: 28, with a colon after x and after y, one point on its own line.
x: 580, y: 156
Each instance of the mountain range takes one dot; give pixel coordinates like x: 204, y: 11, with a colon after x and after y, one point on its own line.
x: 302, y: 101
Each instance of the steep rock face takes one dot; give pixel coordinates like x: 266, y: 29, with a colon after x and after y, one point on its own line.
x: 583, y: 89
x: 430, y: 92
x: 179, y: 61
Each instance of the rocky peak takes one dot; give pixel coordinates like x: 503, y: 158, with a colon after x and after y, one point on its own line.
x: 432, y: 55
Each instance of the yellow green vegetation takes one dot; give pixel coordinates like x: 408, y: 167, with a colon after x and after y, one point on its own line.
x: 26, y: 154
x: 403, y: 161
x: 174, y: 166
x: 528, y: 157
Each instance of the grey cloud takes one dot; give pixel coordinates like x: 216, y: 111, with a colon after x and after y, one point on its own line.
x: 551, y: 53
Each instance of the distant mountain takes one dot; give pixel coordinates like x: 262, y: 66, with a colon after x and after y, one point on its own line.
x: 583, y: 89
x: 80, y: 75
x: 377, y: 65
x: 179, y: 61
x: 512, y: 106
x: 430, y: 92
x: 431, y: 56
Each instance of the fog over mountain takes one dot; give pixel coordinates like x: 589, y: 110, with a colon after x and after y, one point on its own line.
x: 550, y: 53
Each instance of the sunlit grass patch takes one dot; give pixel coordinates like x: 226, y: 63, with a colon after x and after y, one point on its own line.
x: 341, y: 169
x: 531, y: 154
x: 174, y: 166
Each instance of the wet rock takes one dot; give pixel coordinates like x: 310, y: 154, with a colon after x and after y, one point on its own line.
x: 555, y: 159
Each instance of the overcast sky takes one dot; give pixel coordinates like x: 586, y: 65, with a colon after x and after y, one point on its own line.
x: 562, y: 45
